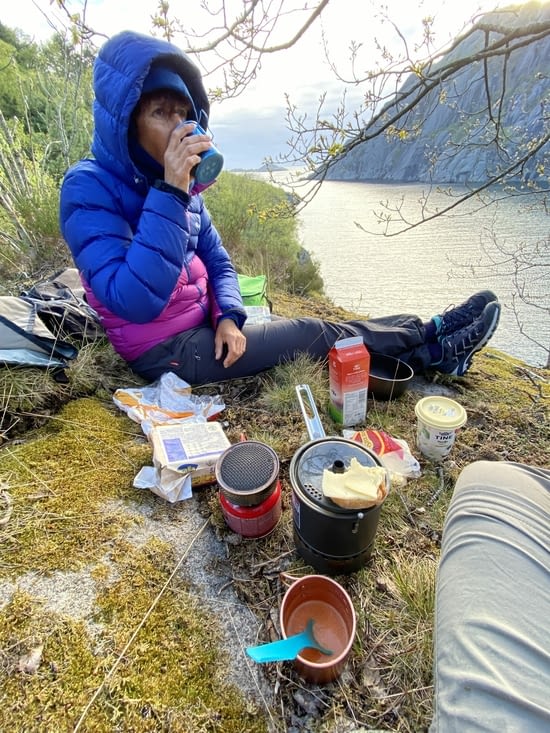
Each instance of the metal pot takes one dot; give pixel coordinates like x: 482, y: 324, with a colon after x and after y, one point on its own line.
x: 330, y: 538
x: 389, y: 377
x: 331, y: 606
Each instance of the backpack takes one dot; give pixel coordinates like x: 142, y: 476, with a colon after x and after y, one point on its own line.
x: 25, y: 340
x: 60, y: 302
x: 39, y: 327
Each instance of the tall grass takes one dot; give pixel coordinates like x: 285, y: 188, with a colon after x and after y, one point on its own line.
x: 28, y: 198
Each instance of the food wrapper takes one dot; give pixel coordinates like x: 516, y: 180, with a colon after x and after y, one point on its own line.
x: 394, y: 453
x: 186, y: 442
x: 168, y: 399
x: 184, y: 456
x: 169, y: 485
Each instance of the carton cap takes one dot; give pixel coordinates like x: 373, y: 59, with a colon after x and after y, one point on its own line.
x: 346, y: 343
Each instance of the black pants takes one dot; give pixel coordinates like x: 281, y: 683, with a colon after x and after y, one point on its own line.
x: 190, y: 354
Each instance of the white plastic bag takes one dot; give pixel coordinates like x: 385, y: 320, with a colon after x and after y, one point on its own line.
x: 394, y: 453
x: 168, y: 399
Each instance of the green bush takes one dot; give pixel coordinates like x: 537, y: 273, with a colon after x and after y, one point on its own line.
x: 256, y: 222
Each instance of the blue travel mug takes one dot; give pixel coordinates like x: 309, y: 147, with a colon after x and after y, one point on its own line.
x: 211, y: 162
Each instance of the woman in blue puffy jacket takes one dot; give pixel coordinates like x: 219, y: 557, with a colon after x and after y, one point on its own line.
x: 154, y: 266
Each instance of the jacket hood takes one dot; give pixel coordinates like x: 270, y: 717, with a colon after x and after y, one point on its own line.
x: 120, y: 69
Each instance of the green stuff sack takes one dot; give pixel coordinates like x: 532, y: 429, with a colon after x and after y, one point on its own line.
x: 253, y: 289
x: 254, y: 294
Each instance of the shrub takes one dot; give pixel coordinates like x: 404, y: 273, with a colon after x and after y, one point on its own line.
x: 256, y: 222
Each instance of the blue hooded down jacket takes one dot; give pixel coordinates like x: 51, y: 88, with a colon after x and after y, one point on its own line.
x: 151, y: 261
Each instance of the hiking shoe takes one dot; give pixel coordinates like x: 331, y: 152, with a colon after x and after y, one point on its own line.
x: 460, y: 346
x: 460, y: 316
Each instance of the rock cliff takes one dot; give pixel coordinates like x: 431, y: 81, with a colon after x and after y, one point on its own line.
x: 449, y: 136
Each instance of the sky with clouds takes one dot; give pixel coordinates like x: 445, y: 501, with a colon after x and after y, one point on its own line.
x: 252, y: 127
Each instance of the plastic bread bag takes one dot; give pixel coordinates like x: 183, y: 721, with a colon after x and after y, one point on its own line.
x: 394, y: 453
x: 167, y: 400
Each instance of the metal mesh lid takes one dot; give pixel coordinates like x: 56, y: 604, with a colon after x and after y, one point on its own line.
x: 247, y: 467
x: 309, y: 462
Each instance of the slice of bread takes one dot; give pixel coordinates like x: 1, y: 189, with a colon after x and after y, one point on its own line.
x: 360, y: 487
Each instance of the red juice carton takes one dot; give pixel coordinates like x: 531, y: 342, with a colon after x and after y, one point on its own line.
x: 348, y: 371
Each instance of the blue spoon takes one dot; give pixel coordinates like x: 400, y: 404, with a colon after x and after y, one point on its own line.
x: 285, y: 649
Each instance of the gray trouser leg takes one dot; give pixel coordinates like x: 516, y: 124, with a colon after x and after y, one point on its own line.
x: 190, y: 354
x: 492, y: 628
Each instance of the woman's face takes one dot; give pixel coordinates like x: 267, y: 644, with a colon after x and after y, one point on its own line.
x: 157, y: 115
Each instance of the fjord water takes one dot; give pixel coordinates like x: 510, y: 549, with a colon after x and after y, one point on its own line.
x: 429, y: 267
